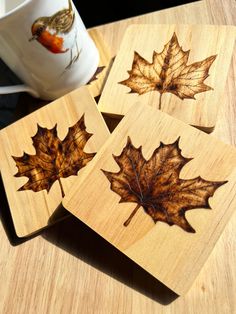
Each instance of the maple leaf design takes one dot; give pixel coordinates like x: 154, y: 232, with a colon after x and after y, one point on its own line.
x: 54, y: 159
x: 169, y: 73
x: 155, y: 185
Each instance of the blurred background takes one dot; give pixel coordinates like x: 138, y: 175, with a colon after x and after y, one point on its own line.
x: 102, y: 11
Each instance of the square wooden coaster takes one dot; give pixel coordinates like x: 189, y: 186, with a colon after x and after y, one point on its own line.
x: 144, y: 180
x: 181, y: 69
x: 42, y: 154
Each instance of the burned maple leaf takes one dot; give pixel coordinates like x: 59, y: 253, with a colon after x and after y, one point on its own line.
x: 155, y: 184
x: 54, y: 159
x: 169, y: 73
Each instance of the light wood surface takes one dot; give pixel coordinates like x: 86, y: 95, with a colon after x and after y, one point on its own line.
x: 96, y: 86
x: 69, y: 269
x: 202, y: 42
x: 172, y: 255
x: 31, y: 210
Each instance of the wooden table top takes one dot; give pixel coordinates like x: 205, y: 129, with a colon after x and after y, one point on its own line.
x: 69, y: 269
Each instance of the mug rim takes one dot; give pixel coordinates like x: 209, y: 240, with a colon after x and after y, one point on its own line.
x: 16, y: 9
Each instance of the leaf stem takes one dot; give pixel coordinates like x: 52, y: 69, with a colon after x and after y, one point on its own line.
x: 62, y: 190
x: 160, y: 99
x: 127, y: 222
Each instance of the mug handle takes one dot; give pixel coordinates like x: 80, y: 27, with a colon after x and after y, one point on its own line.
x: 18, y: 89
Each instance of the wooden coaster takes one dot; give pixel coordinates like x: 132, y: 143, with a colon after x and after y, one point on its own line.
x: 144, y: 180
x: 167, y: 67
x: 98, y: 80
x: 42, y: 153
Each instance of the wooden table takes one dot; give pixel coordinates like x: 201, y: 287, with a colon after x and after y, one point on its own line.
x: 69, y: 269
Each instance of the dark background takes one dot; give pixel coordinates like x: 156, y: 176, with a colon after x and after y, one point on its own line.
x: 102, y: 11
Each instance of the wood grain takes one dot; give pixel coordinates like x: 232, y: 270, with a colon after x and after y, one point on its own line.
x: 69, y: 269
x: 170, y: 254
x: 96, y: 86
x: 31, y: 210
x: 202, y: 41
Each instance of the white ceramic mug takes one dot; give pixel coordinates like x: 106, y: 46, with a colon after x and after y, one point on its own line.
x: 45, y: 43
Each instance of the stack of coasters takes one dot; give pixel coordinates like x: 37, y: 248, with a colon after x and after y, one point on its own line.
x: 158, y: 189
x: 162, y: 194
x: 42, y: 153
x: 167, y: 67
